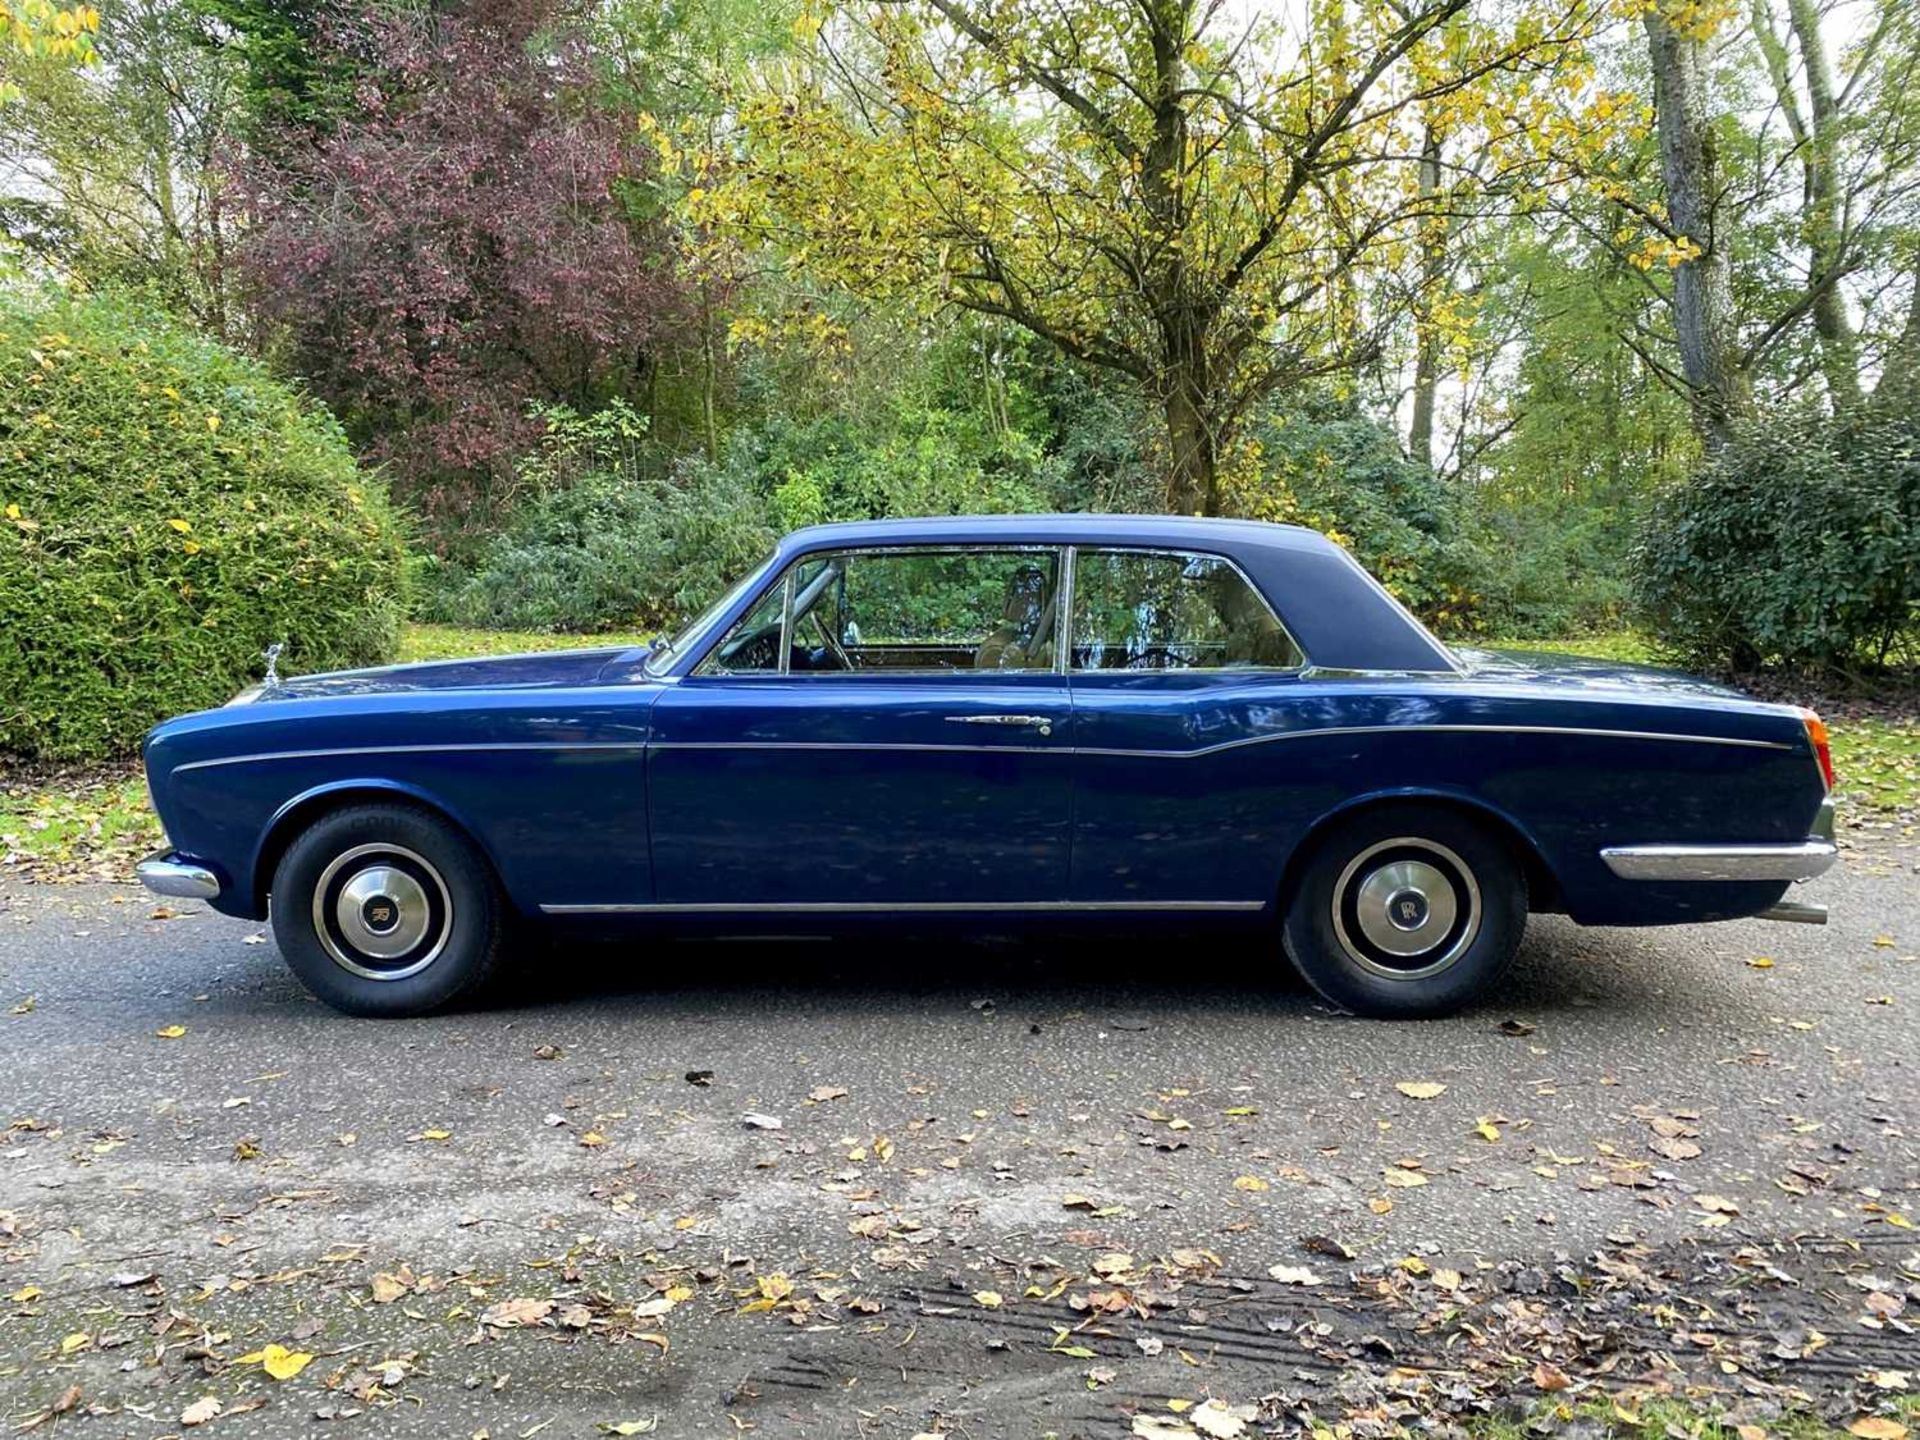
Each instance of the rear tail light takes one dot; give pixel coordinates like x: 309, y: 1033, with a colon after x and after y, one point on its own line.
x: 1822, y: 751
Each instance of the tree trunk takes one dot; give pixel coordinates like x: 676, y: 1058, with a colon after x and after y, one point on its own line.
x: 1426, y: 341
x: 1193, y: 477
x: 1702, y: 286
x: 1839, y: 347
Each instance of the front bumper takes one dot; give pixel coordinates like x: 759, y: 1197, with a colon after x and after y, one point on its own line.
x: 1801, y: 860
x: 170, y: 873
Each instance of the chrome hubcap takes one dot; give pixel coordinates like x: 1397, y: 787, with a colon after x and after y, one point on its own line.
x: 1406, y: 908
x: 382, y: 912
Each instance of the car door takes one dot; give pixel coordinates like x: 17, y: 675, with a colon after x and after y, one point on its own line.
x: 885, y: 729
x: 1176, y: 660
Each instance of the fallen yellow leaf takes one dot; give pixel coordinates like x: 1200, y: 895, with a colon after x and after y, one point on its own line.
x: 278, y: 1361
x: 1421, y: 1089
x: 171, y: 1032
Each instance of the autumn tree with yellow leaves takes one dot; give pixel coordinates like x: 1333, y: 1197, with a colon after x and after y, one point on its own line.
x: 1215, y: 204
x: 40, y: 27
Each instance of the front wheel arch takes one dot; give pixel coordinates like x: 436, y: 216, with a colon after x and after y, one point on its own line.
x: 303, y: 811
x: 1543, y: 886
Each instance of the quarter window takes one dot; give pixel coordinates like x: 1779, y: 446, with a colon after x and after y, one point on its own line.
x: 1148, y: 610
x: 752, y: 646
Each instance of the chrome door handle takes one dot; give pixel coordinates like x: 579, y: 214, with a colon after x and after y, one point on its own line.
x: 1032, y: 722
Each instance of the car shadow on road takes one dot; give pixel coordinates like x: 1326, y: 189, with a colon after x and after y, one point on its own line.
x: 1560, y: 968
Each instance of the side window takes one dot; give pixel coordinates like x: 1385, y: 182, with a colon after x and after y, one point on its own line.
x: 900, y: 610
x: 1144, y: 610
x: 752, y: 646
x: 927, y: 609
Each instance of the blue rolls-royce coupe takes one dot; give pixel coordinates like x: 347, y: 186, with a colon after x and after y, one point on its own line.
x: 994, y: 721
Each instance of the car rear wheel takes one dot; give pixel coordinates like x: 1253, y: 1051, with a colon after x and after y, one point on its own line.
x: 1405, y: 912
x: 385, y: 910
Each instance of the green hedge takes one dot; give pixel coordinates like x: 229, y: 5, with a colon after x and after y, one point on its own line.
x: 1799, y: 545
x: 167, y: 510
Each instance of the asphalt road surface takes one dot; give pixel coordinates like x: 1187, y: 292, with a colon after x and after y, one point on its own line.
x: 988, y: 1189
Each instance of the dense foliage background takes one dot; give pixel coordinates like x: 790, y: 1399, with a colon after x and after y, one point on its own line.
x: 1563, y: 316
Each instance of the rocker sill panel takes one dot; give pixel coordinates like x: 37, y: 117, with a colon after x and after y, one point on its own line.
x: 885, y: 907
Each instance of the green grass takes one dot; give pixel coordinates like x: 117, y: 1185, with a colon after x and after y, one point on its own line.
x: 1876, y: 764
x: 1626, y: 645
x: 450, y: 642
x: 78, y: 821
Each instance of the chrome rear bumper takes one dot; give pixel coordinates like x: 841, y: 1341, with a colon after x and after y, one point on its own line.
x: 1801, y: 860
x: 170, y: 874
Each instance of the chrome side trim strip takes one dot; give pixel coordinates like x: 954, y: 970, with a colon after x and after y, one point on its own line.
x: 884, y: 907
x: 1721, y: 862
x: 165, y: 875
x: 1439, y: 729
x: 413, y: 750
x: 1011, y: 748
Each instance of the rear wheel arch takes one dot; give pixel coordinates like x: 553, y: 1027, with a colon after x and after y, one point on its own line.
x: 1543, y: 886
x: 300, y: 814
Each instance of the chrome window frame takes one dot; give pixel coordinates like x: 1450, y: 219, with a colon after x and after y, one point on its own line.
x: 1062, y: 557
x: 706, y: 668
x: 704, y: 636
x: 1066, y: 660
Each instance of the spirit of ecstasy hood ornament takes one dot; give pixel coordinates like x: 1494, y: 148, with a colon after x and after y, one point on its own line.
x: 272, y: 652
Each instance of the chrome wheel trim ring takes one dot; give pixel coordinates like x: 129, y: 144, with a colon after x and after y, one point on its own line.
x: 348, y: 918
x: 1414, y: 912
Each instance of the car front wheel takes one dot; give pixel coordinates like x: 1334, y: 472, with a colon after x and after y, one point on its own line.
x: 385, y: 910
x: 1405, y: 912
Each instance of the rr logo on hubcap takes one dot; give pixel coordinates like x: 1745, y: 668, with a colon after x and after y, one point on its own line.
x: 1408, y: 910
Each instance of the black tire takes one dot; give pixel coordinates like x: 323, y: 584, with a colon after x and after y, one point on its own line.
x: 1404, y: 912
x: 386, y: 910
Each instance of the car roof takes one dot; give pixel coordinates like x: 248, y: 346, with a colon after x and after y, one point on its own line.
x: 1078, y: 529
